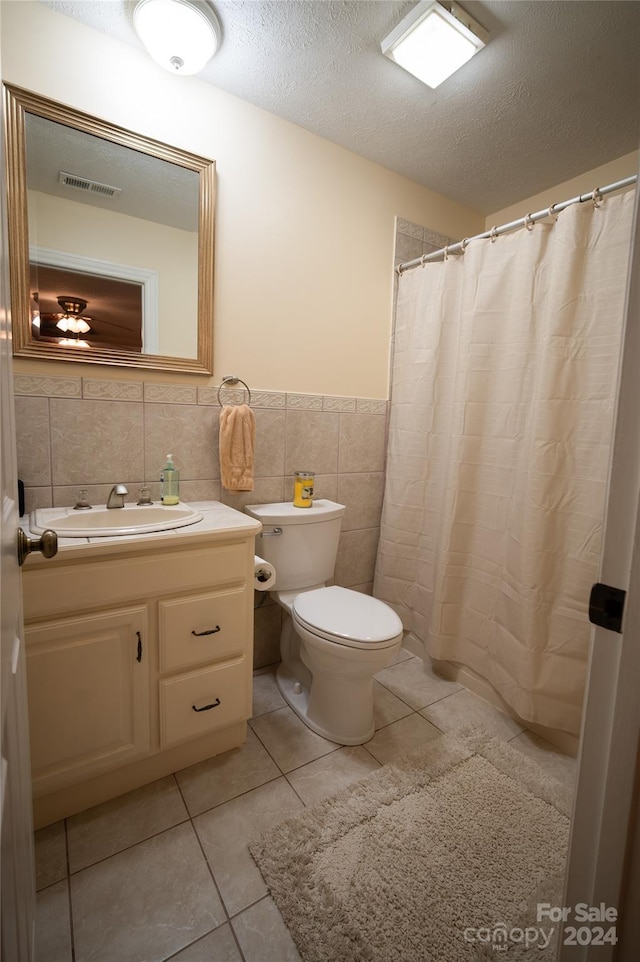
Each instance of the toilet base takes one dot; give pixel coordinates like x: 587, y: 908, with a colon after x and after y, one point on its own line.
x: 296, y: 696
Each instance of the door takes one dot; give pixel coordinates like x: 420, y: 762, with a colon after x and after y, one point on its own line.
x: 604, y: 861
x: 17, y: 877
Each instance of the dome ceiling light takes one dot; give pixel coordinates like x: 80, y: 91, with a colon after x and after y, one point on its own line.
x: 181, y: 35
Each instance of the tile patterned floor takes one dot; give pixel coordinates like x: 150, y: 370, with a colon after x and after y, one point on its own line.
x: 164, y: 872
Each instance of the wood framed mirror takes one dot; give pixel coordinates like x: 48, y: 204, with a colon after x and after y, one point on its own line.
x: 111, y: 241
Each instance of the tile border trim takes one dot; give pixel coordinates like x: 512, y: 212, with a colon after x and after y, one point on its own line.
x: 103, y: 389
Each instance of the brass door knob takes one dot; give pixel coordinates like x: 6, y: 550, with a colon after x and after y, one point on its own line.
x: 47, y: 543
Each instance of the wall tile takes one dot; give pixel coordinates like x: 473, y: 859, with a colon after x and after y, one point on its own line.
x: 112, y: 390
x: 95, y: 441
x: 305, y: 402
x: 312, y: 442
x: 407, y: 227
x: 269, y: 448
x: 47, y: 386
x: 190, y: 433
x: 198, y: 490
x: 33, y: 441
x: 37, y: 498
x: 408, y: 248
x: 268, y: 399
x: 171, y: 393
x: 362, y: 442
x: 362, y: 494
x: 356, y: 557
x: 340, y: 404
x: 371, y: 406
x: 436, y: 240
x: 265, y: 491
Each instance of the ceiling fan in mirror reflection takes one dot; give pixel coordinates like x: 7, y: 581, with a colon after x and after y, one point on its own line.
x: 72, y: 322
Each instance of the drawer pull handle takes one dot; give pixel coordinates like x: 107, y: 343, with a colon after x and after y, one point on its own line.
x: 207, y: 707
x: 139, y: 654
x: 211, y: 631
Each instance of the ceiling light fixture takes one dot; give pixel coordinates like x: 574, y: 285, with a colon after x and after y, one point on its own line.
x: 181, y: 35
x: 71, y: 322
x: 434, y: 40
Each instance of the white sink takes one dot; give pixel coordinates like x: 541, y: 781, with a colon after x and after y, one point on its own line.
x: 113, y: 522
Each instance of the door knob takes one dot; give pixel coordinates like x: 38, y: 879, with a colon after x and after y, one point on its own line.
x: 47, y: 543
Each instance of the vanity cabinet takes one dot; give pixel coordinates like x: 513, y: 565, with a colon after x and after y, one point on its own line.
x: 139, y: 661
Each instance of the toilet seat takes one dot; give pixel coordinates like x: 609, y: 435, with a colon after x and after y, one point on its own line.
x: 347, y: 617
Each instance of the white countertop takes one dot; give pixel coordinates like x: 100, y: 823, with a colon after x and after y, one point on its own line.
x: 219, y: 523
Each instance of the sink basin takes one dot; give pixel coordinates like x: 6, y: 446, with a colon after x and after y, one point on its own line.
x: 114, y: 522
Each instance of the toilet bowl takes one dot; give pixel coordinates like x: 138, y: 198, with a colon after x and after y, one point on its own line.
x: 333, y: 639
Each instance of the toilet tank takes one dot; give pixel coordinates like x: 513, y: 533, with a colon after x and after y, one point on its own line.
x: 304, y: 554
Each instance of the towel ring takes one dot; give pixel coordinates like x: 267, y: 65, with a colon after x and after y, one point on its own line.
x: 232, y: 379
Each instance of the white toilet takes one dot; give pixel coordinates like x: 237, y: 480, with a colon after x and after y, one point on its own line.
x: 333, y: 639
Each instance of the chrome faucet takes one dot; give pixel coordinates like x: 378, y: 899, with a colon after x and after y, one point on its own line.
x: 116, y: 496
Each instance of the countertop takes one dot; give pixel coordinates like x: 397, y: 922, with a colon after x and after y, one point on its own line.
x: 219, y: 523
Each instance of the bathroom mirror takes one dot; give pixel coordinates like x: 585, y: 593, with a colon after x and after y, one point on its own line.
x: 111, y: 239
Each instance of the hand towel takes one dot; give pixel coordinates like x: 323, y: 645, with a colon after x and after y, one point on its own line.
x: 237, y: 439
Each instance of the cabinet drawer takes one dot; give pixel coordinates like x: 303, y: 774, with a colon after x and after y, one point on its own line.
x: 197, y: 703
x: 202, y: 628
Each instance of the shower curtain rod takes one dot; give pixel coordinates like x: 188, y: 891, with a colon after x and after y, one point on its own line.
x: 527, y: 221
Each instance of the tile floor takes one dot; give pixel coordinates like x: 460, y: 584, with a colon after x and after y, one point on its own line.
x: 164, y: 872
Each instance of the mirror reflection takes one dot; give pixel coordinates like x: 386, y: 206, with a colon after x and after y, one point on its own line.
x: 112, y: 244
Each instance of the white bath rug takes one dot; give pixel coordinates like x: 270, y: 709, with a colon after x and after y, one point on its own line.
x: 440, y: 857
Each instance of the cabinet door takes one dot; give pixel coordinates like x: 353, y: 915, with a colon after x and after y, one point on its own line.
x: 88, y: 685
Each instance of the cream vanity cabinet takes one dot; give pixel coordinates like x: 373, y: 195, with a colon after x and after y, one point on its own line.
x: 139, y: 658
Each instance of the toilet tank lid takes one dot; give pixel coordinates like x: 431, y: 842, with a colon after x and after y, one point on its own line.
x: 284, y: 512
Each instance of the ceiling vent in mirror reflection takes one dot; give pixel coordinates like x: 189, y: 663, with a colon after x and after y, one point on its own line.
x: 83, y: 183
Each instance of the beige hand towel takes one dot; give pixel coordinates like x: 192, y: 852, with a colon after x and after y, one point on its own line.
x: 237, y: 439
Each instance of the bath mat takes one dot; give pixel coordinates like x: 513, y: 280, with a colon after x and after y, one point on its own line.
x: 440, y: 857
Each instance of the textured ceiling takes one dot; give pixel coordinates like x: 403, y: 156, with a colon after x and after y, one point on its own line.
x: 555, y: 92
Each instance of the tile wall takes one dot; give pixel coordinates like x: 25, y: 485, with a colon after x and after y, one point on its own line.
x: 77, y: 432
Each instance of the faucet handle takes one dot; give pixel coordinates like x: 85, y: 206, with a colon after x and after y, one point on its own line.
x: 144, y: 494
x: 82, y: 504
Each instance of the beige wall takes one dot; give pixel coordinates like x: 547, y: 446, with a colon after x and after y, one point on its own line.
x: 304, y: 229
x: 583, y: 183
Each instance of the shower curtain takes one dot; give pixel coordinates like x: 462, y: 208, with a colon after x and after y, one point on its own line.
x: 504, y: 386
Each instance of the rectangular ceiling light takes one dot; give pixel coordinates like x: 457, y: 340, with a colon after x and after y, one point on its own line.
x: 434, y: 40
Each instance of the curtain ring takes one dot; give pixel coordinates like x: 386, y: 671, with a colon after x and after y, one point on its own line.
x: 552, y: 212
x: 596, y: 195
x: 493, y: 236
x: 463, y: 244
x: 423, y: 260
x: 528, y: 222
x: 445, y: 252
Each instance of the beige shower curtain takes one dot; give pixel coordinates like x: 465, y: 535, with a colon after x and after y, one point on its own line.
x: 504, y: 386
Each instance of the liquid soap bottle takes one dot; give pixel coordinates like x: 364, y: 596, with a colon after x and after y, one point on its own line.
x: 170, y: 478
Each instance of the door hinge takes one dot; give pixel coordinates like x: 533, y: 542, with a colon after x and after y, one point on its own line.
x: 606, y: 606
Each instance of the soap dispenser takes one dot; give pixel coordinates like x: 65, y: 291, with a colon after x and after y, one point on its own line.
x: 170, y: 478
